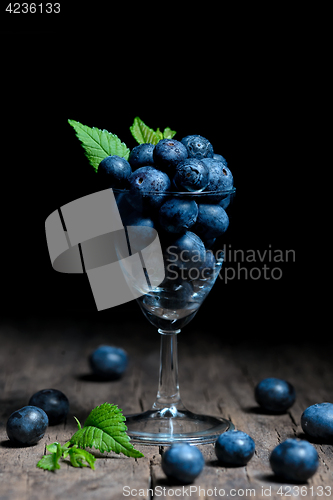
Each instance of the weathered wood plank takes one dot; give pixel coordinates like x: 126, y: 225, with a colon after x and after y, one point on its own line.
x: 216, y: 377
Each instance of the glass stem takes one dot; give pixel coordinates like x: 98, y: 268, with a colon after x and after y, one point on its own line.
x: 168, y: 397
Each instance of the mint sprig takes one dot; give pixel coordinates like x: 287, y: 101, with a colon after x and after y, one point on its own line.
x: 142, y: 133
x: 104, y: 430
x: 76, y: 455
x: 98, y: 144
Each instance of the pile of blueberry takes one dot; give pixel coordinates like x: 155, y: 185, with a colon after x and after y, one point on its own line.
x: 155, y: 175
x: 27, y: 426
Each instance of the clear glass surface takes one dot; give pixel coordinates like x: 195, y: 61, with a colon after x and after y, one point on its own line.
x: 170, y: 306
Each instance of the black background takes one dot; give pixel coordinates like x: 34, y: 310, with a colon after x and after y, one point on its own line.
x: 240, y: 95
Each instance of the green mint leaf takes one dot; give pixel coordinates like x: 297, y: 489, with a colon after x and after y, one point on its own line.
x: 98, y: 144
x: 105, y: 430
x: 168, y: 133
x: 51, y: 462
x: 78, y: 423
x: 78, y: 456
x: 142, y: 133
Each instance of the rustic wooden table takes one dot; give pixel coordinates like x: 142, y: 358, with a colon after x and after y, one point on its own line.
x: 217, y: 376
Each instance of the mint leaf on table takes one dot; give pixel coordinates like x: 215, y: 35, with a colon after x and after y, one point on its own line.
x: 142, y: 133
x: 105, y: 430
x: 76, y: 455
x: 51, y: 462
x: 98, y: 144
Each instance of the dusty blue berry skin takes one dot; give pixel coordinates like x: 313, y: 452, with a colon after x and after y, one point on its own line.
x: 114, y: 171
x: 294, y: 460
x: 53, y: 402
x: 191, y: 175
x: 142, y: 156
x: 234, y: 448
x: 182, y: 463
x: 108, y: 362
x: 27, y: 426
x: 168, y: 153
x: 317, y: 421
x: 147, y: 185
x: 220, y: 176
x: 221, y: 158
x: 212, y: 221
x: 275, y: 395
x: 177, y: 215
x: 186, y: 251
x: 198, y: 147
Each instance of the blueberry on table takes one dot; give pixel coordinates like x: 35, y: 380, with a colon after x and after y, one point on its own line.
x: 168, y: 153
x: 212, y: 221
x: 275, y: 395
x: 198, y: 147
x: 114, y: 171
x: 182, y: 463
x: 317, y: 421
x: 294, y: 460
x: 53, y: 402
x: 177, y: 215
x: 191, y: 175
x: 234, y: 448
x: 108, y: 362
x: 147, y: 188
x: 142, y: 156
x: 27, y: 426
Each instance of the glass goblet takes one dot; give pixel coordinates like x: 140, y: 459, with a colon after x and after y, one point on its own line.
x: 191, y: 267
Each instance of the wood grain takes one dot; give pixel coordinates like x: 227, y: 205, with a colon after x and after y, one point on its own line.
x: 217, y: 376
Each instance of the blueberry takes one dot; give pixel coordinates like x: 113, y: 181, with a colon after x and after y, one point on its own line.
x: 182, y: 463
x: 317, y: 421
x: 198, y: 147
x: 147, y: 185
x: 168, y: 153
x: 220, y: 158
x: 294, y: 460
x: 186, y: 252
x: 108, y: 362
x: 234, y: 448
x: 53, y: 402
x: 142, y: 156
x: 220, y: 177
x: 27, y: 426
x: 177, y: 215
x: 191, y: 175
x: 212, y: 221
x: 114, y: 171
x: 275, y: 395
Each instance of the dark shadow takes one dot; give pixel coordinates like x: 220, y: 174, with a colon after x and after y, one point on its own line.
x: 257, y: 410
x: 11, y: 445
x: 92, y: 377
x: 218, y: 463
x: 273, y: 478
x: 313, y: 440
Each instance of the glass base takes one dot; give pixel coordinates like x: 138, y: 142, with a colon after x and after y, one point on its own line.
x: 171, y: 425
